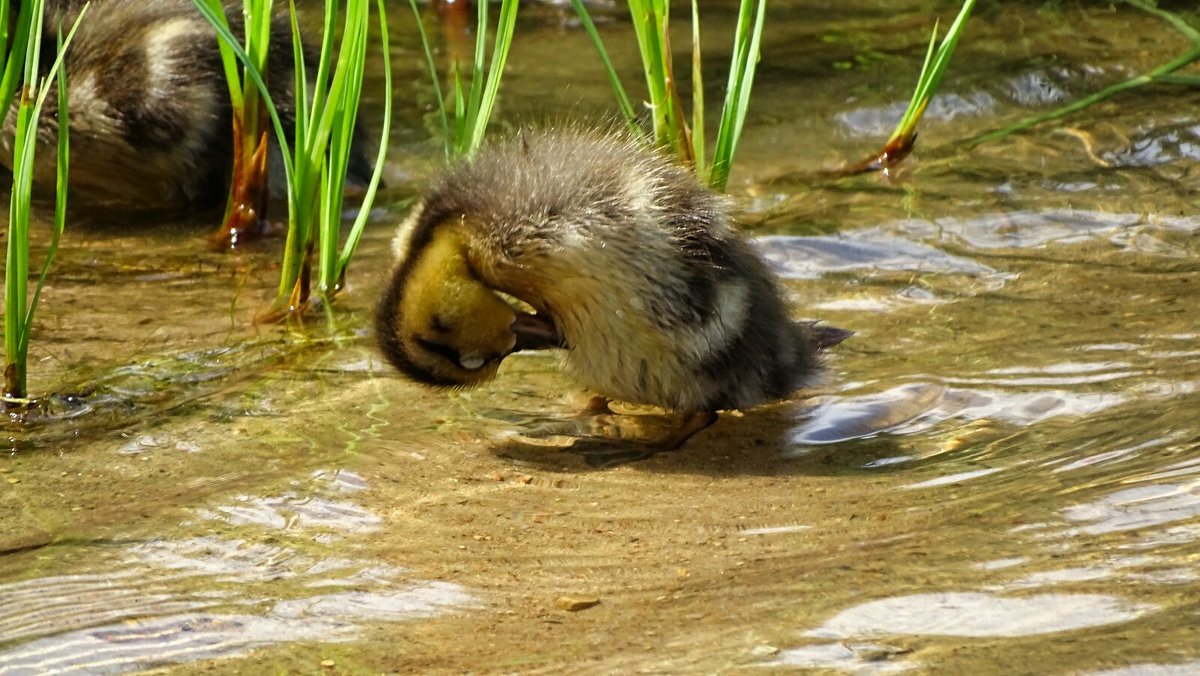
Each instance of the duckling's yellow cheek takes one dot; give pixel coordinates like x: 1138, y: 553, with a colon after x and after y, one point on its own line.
x: 483, y: 329
x: 468, y: 322
x: 453, y: 322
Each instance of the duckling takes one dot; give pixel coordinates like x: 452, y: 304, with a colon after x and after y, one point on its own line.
x: 629, y: 263
x: 150, y: 116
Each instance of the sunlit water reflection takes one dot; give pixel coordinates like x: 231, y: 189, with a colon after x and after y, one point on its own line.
x: 168, y: 601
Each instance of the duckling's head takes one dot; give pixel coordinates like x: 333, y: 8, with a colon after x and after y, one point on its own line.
x: 437, y: 322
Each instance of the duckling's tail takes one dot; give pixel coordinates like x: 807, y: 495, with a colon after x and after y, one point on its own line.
x: 823, y: 336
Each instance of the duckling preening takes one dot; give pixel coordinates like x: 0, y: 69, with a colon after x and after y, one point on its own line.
x: 150, y: 115
x: 629, y: 263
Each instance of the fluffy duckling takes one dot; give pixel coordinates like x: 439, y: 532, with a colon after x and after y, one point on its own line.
x: 149, y: 105
x: 629, y: 261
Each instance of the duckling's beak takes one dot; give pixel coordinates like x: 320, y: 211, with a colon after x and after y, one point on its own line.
x: 536, y: 332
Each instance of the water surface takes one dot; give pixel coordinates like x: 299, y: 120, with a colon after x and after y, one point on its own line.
x: 1000, y: 473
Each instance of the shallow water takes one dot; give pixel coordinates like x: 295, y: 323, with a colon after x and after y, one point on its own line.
x: 1001, y: 473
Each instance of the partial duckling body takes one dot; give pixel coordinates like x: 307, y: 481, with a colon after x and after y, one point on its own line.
x: 632, y: 267
x: 150, y: 115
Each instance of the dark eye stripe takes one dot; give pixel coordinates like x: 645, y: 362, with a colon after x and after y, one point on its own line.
x: 443, y: 350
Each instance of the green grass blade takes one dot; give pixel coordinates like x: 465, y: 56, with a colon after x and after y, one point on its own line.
x: 746, y: 50
x: 325, y: 64
x: 298, y: 222
x: 443, y: 118
x: 16, y: 330
x: 360, y: 220
x: 623, y: 102
x: 63, y: 164
x: 299, y: 79
x: 228, y: 58
x: 258, y: 39
x: 698, y: 150
x: 649, y: 22
x: 346, y: 71
x: 4, y: 28
x: 503, y: 42
x: 348, y: 80
x: 298, y: 199
x: 19, y: 308
x: 475, y: 95
x: 460, y: 113
x: 15, y: 55
x: 915, y: 108
x: 678, y: 135
x: 227, y: 38
x: 931, y: 76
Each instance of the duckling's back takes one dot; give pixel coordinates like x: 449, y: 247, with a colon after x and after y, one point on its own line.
x: 659, y: 301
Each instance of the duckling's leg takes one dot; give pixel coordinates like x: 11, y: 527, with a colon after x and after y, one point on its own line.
x: 689, y: 426
x: 598, y: 405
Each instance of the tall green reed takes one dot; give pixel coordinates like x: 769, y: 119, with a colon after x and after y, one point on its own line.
x: 249, y: 185
x: 671, y: 126
x: 473, y: 106
x: 671, y: 129
x: 21, y: 61
x: 904, y: 136
x: 317, y: 158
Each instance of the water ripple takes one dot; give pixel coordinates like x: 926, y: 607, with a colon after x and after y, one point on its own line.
x: 979, y: 615
x: 916, y: 407
x: 869, y: 249
x: 857, y: 658
x: 291, y: 510
x: 147, y: 614
x: 1035, y: 229
x: 1182, y: 669
x: 1138, y: 507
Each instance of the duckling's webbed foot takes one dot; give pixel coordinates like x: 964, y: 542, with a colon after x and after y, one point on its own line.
x: 608, y: 439
x: 595, y: 420
x: 608, y: 452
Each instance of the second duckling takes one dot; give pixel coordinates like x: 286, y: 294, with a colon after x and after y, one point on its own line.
x: 629, y: 261
x: 150, y: 116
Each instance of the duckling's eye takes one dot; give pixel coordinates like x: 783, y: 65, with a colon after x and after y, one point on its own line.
x: 440, y: 349
x: 438, y: 324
